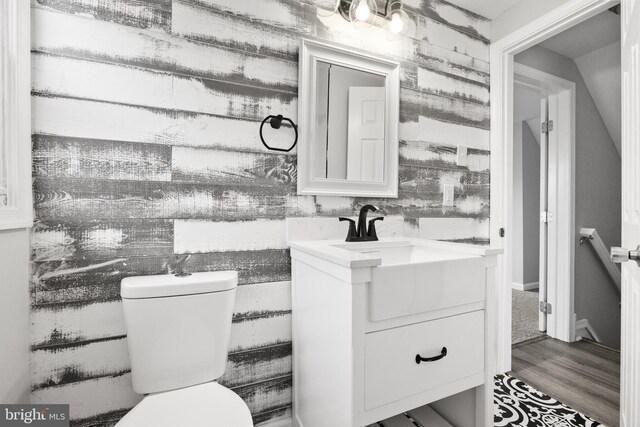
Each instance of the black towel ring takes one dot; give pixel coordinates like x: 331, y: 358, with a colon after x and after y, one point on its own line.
x: 275, y: 122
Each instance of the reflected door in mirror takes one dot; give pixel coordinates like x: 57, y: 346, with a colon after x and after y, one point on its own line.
x: 365, y: 134
x: 350, y: 126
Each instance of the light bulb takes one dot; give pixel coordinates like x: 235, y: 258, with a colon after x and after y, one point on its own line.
x: 362, y: 10
x: 396, y: 25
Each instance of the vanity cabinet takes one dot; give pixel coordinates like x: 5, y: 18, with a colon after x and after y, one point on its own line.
x: 362, y: 315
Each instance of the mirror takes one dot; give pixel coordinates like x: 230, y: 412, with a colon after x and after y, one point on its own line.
x: 348, y: 122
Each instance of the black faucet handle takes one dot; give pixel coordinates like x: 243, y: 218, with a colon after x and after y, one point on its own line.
x: 177, y: 264
x: 371, y: 232
x: 352, y: 233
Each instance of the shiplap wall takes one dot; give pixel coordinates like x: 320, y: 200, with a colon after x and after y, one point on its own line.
x: 145, y: 144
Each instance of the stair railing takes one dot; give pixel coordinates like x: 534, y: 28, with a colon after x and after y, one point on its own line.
x: 591, y: 235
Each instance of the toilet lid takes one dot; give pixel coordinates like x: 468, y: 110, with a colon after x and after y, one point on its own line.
x: 204, y: 405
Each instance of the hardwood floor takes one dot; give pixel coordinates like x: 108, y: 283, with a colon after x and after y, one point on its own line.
x: 582, y: 375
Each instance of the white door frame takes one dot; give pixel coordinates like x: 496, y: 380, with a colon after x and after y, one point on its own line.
x: 15, y: 114
x: 558, y: 280
x: 502, y: 75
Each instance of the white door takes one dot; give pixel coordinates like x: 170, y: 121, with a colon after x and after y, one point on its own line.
x: 544, y: 173
x: 549, y: 169
x: 630, y: 347
x: 365, y: 135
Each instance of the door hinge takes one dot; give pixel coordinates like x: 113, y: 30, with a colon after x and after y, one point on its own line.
x: 546, y: 127
x: 545, y: 216
x: 545, y: 307
x: 501, y: 232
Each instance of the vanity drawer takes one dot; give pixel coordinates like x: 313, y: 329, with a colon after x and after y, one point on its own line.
x: 391, y: 371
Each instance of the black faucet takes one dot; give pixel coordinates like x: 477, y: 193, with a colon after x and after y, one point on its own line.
x: 361, y: 233
x: 176, y: 263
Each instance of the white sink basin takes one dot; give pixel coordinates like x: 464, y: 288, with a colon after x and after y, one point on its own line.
x: 411, y: 276
x: 404, y: 253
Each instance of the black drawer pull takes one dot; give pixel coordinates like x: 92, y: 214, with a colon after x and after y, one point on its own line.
x: 442, y: 354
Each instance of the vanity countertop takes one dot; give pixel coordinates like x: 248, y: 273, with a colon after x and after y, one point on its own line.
x: 369, y: 254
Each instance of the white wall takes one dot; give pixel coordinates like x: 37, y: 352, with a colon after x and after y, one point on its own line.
x: 14, y: 316
x: 521, y: 14
x: 598, y: 197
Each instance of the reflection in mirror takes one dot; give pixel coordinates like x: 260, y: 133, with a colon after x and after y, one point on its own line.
x: 350, y: 124
x: 3, y: 173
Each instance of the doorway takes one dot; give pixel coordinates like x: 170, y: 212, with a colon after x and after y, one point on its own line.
x: 543, y: 200
x: 502, y: 175
x: 579, y: 188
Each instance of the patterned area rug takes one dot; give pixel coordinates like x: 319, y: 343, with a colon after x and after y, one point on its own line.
x: 519, y: 404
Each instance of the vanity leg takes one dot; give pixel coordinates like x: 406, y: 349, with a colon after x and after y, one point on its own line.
x: 484, y: 393
x: 484, y: 405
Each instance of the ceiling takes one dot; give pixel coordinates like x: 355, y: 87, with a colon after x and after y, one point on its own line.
x: 488, y: 8
x: 592, y: 34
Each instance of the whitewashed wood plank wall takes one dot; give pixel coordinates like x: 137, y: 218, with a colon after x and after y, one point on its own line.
x: 145, y: 145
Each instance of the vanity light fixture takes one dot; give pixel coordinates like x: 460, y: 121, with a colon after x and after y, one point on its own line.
x: 367, y: 10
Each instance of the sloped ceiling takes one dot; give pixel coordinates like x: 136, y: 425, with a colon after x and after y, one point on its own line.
x: 600, y: 70
x: 534, y: 126
x: 592, y: 34
x: 594, y: 45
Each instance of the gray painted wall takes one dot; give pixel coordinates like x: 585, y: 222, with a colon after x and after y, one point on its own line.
x: 598, y: 197
x: 14, y: 316
x: 146, y: 144
x: 518, y: 205
x: 530, y: 206
x: 526, y: 199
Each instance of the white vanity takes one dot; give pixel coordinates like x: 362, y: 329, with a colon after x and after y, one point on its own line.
x: 379, y: 327
x: 383, y: 327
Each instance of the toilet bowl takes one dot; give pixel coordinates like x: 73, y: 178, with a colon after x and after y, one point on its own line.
x: 178, y: 330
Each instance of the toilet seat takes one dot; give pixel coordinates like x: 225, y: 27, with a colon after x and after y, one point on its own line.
x: 204, y: 405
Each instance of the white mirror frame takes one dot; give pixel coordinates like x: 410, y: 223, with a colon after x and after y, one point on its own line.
x: 311, y: 52
x: 15, y: 113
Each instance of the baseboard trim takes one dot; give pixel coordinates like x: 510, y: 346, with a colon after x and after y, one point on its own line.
x: 586, y: 325
x: 526, y: 286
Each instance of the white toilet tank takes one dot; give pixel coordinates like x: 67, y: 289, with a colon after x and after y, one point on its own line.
x: 178, y: 328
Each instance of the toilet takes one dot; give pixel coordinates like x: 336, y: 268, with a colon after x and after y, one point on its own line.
x: 178, y: 330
